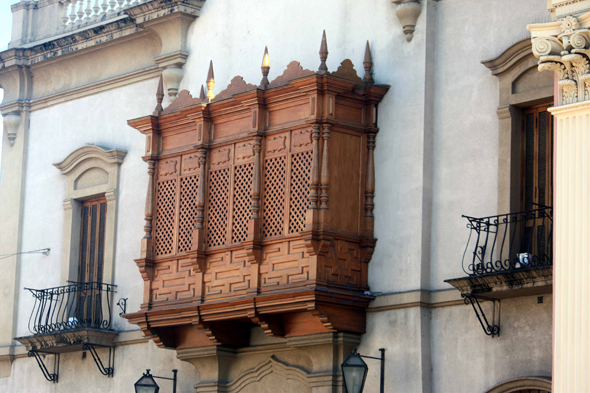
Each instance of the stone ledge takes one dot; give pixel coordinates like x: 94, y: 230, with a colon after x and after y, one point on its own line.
x: 522, y: 282
x: 68, y: 341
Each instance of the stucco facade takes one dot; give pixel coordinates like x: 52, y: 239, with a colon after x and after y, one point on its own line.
x: 441, y: 152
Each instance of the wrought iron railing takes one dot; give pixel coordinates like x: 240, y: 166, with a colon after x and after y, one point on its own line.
x: 81, y: 305
x: 509, y: 242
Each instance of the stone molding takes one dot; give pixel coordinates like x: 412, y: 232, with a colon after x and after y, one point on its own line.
x: 68, y: 341
x: 168, y: 22
x: 518, y: 384
x: 561, y: 8
x: 514, y: 63
x: 87, y: 166
x: 508, y: 59
x: 564, y: 47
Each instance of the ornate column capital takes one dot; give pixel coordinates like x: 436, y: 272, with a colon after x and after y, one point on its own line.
x: 564, y: 47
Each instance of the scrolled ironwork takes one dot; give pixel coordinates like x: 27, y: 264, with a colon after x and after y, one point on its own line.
x: 80, y: 305
x: 509, y: 242
x: 490, y: 330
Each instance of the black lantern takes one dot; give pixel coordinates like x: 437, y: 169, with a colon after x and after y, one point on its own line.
x: 354, y: 371
x: 147, y: 384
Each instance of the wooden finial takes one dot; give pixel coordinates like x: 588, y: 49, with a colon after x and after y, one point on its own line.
x: 210, y: 82
x: 202, y: 94
x: 368, y: 64
x: 265, y: 69
x: 323, y: 69
x: 159, y: 97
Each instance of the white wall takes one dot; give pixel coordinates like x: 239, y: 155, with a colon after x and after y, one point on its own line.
x: 55, y: 132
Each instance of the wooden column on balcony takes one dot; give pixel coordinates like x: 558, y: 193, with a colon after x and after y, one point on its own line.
x: 262, y: 209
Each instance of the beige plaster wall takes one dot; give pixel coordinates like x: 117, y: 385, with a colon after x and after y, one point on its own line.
x: 436, y: 158
x: 78, y: 374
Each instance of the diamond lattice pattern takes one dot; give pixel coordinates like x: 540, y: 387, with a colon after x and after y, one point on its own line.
x: 299, y: 198
x: 274, y: 196
x: 188, y: 211
x: 241, y: 208
x: 165, y: 220
x: 217, y: 212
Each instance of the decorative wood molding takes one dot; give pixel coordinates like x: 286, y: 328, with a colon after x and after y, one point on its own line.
x: 293, y: 71
x: 347, y: 71
x: 236, y: 86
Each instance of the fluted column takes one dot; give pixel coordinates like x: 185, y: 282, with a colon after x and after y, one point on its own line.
x: 564, y: 47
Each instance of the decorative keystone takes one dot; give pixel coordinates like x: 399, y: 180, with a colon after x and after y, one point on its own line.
x: 408, y: 12
x: 11, y: 124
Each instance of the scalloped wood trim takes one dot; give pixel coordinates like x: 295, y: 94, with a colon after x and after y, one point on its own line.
x: 347, y: 71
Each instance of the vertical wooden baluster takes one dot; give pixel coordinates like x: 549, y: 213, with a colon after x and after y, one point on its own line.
x: 370, y: 184
x: 73, y: 11
x: 255, y: 207
x: 315, y: 166
x: 149, y: 212
x: 325, y: 175
x: 64, y: 16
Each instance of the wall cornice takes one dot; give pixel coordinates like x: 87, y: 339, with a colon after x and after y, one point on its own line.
x: 510, y: 57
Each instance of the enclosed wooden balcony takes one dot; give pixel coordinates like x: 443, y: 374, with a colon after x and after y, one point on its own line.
x: 260, y: 208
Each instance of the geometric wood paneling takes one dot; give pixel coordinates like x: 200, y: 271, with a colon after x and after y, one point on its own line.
x: 299, y: 198
x: 217, y: 214
x: 348, y: 267
x: 274, y: 196
x: 284, y: 263
x: 227, y: 272
x: 173, y: 280
x: 189, y: 186
x: 165, y: 217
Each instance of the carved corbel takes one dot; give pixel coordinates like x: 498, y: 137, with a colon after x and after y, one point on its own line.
x: 271, y: 324
x: 12, y: 122
x: 170, y: 21
x: 407, y: 12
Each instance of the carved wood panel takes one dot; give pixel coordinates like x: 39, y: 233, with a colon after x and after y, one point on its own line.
x: 227, y: 272
x: 348, y: 267
x: 218, y: 209
x: 299, y: 190
x: 165, y: 217
x: 173, y: 280
x: 284, y: 263
x: 274, y: 196
x: 189, y: 186
x: 241, y: 201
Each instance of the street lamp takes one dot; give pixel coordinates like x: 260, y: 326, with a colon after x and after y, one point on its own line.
x: 147, y: 384
x: 354, y: 372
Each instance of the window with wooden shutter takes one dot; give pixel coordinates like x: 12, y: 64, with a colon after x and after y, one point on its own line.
x: 537, y: 173
x: 90, y: 268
